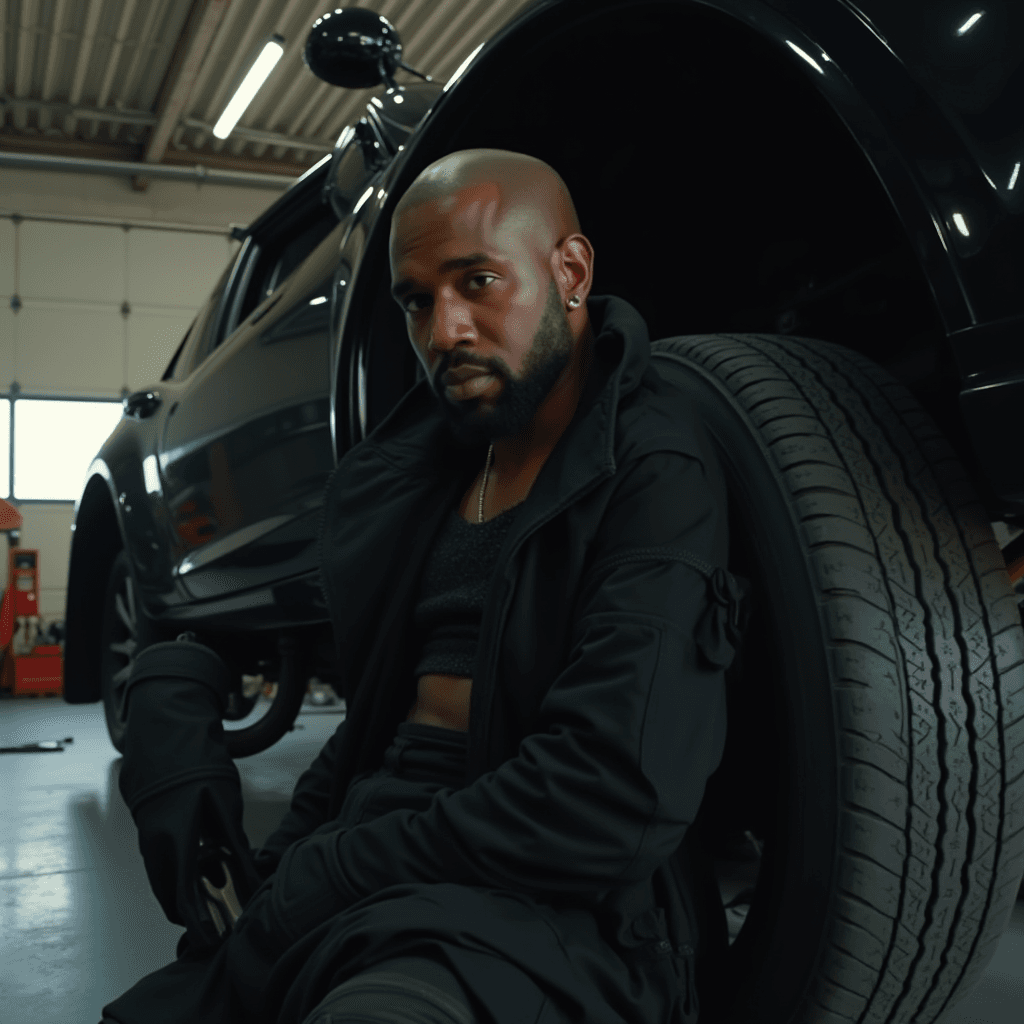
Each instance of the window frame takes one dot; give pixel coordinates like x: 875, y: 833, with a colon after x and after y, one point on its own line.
x: 168, y: 374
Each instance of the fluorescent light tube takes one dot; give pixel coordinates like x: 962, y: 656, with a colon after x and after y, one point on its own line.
x: 258, y: 74
x: 969, y: 23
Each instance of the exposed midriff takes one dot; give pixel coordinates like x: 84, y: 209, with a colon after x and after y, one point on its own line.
x: 444, y: 699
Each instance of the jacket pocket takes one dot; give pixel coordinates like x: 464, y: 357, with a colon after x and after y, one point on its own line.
x: 672, y: 892
x: 688, y: 1007
x: 675, y: 966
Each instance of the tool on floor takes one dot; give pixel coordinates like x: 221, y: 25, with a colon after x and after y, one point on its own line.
x: 27, y: 668
x: 43, y: 747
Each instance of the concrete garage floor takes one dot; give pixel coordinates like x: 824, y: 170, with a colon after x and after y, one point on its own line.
x: 78, y: 923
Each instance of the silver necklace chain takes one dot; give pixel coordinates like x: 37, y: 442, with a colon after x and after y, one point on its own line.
x: 490, y: 452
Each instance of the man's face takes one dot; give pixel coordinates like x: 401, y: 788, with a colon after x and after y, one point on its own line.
x: 475, y: 295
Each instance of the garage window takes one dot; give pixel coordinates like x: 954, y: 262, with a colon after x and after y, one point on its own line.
x: 54, y: 443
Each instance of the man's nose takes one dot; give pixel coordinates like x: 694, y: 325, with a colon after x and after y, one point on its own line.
x: 452, y: 322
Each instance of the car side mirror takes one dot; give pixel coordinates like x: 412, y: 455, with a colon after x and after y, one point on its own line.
x: 354, y: 48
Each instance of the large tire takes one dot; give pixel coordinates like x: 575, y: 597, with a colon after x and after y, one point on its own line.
x: 880, y: 708
x: 126, y: 629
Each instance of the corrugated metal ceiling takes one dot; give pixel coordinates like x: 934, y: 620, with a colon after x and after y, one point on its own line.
x: 146, y: 79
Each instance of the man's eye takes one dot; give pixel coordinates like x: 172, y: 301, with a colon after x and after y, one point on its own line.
x: 480, y: 277
x: 412, y: 298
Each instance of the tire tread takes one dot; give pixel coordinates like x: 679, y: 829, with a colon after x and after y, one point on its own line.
x: 900, y: 500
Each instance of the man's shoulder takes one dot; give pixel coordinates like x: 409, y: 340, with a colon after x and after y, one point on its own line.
x: 655, y: 417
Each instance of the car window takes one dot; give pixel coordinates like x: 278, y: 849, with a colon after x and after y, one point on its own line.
x: 350, y: 172
x: 311, y: 315
x: 276, y: 260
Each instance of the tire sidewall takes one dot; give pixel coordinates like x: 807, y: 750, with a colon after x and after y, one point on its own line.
x: 111, y: 626
x: 773, y: 959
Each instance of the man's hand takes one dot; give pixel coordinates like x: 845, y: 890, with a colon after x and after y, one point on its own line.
x: 175, y: 860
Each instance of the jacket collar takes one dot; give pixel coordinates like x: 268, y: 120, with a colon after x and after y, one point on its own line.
x: 415, y: 437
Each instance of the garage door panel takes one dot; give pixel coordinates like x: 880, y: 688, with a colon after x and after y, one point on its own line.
x: 6, y: 260
x: 85, y: 262
x: 51, y: 536
x: 7, y: 325
x: 153, y: 336
x: 173, y: 268
x: 70, y: 348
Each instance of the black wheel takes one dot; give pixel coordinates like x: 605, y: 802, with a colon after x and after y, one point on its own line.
x: 876, y: 727
x: 252, y: 721
x: 125, y: 630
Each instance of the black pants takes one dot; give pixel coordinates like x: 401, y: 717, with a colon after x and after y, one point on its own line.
x: 177, y: 735
x: 436, y: 953
x: 406, y: 990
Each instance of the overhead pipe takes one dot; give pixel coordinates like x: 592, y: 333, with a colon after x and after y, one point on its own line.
x: 119, y: 168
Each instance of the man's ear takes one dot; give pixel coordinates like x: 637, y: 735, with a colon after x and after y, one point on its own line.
x: 573, y: 266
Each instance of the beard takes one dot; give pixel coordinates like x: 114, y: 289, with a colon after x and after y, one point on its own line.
x: 521, y: 397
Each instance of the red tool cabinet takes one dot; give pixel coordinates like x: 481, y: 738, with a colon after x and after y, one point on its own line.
x: 41, y: 670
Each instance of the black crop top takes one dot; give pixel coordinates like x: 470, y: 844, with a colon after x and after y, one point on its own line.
x: 452, y: 591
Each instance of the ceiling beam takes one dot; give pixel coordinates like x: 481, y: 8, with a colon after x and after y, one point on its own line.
x: 184, y: 71
x: 100, y: 149
x: 142, y: 117
x: 197, y: 172
x: 58, y: 110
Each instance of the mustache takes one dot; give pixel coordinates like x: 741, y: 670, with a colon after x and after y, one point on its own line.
x: 455, y: 364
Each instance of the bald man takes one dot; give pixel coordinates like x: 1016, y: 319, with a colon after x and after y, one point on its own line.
x: 524, y: 569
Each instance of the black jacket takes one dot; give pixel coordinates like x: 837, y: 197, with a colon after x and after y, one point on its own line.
x: 598, y: 700
x: 597, y: 714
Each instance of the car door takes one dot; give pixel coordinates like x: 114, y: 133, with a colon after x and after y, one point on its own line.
x: 246, y: 449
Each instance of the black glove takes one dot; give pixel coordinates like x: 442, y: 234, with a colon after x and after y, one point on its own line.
x: 182, y: 787
x: 185, y: 835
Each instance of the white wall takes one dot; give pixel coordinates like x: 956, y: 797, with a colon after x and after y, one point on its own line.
x: 70, y: 336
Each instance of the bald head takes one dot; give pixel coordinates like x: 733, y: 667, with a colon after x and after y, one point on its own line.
x: 492, y: 273
x: 530, y: 198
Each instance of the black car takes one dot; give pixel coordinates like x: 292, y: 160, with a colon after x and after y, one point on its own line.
x: 817, y: 206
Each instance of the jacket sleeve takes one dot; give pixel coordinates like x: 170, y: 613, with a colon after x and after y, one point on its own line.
x: 309, y: 805
x: 629, y: 731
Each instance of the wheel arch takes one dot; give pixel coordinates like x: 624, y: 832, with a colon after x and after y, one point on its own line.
x: 886, y: 276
